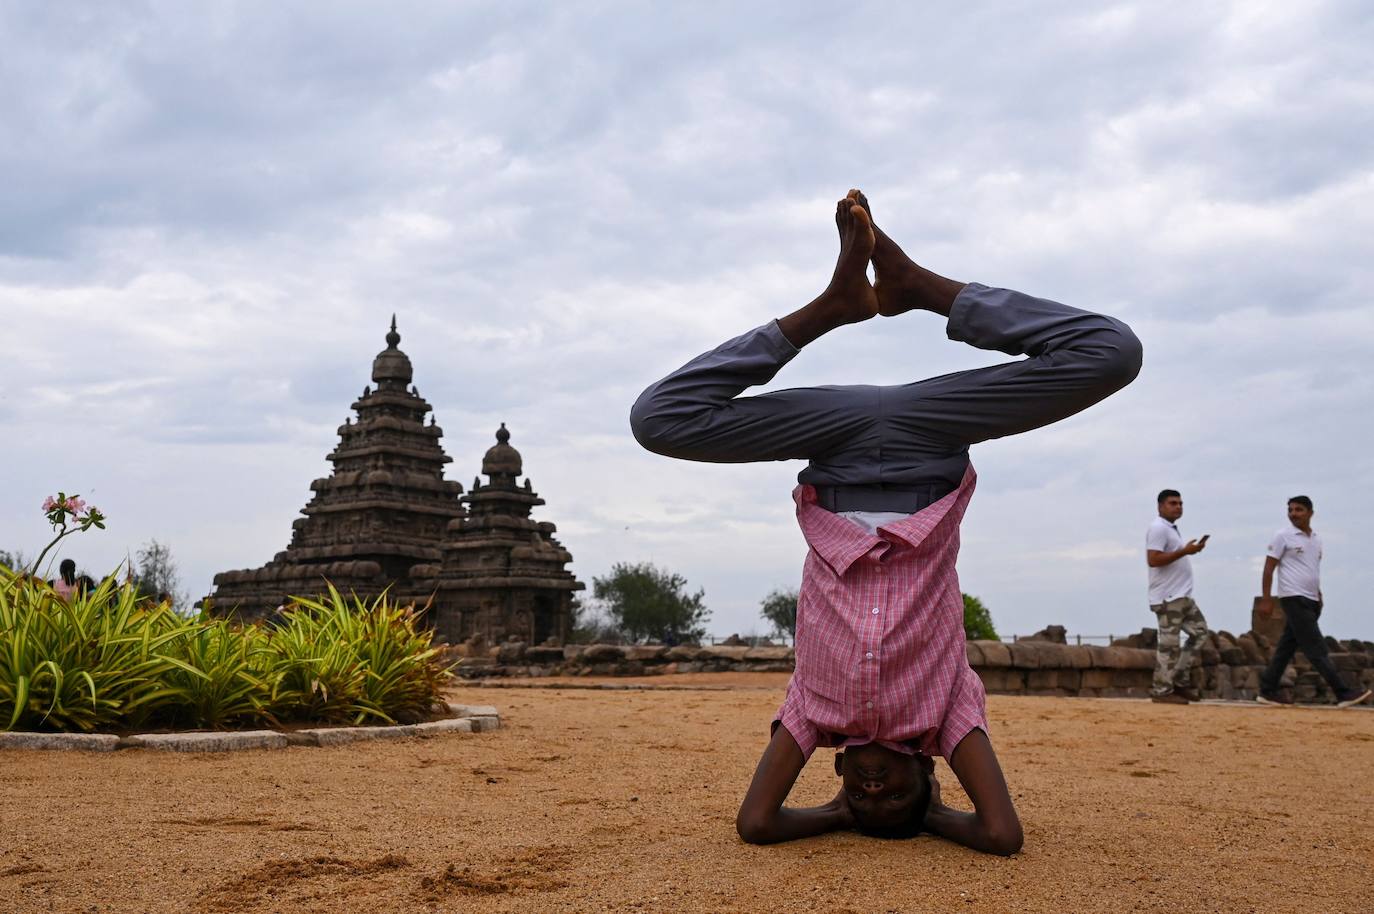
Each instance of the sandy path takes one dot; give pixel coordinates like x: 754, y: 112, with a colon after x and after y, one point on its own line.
x: 625, y: 800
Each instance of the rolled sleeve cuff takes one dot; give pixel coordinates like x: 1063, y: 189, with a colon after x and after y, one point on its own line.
x: 960, y: 325
x: 803, y: 731
x: 777, y: 341
x: 966, y: 713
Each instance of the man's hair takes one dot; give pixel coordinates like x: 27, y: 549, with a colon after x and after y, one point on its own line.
x: 914, y: 824
x: 1167, y: 493
x: 1301, y: 500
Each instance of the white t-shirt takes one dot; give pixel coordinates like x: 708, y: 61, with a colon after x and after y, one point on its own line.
x: 1300, y: 563
x: 1174, y: 580
x: 870, y: 521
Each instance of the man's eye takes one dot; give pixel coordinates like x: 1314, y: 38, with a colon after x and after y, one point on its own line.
x: 896, y: 796
x: 857, y: 797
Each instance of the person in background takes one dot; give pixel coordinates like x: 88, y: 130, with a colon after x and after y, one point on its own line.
x: 66, y: 582
x: 1171, y: 598
x: 1296, y: 553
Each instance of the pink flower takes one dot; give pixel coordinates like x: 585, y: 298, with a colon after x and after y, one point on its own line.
x: 48, y: 504
x: 74, y: 504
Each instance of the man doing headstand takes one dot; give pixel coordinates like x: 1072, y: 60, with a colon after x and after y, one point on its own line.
x: 881, y: 668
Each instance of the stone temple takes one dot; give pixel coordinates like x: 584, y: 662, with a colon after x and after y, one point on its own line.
x: 387, y: 517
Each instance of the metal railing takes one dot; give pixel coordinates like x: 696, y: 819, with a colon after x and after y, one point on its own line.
x: 1077, y: 639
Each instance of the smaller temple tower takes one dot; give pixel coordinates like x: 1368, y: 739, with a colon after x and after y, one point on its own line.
x: 502, y: 574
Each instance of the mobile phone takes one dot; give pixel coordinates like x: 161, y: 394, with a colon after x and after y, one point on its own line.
x: 1205, y: 538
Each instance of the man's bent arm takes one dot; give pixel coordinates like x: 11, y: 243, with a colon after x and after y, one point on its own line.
x: 1158, y: 558
x: 763, y: 819
x: 1267, y: 579
x: 993, y: 826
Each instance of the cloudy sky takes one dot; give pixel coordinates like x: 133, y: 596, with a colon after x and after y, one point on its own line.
x: 208, y: 214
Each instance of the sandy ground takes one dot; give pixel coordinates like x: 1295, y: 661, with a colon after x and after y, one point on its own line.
x: 625, y: 800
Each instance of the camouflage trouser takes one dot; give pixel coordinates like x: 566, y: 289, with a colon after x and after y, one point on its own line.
x: 1173, y: 663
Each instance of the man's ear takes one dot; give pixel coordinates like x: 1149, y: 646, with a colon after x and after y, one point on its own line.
x: 839, y: 764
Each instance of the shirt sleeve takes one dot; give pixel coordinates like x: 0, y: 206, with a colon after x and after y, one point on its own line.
x: 791, y: 716
x: 967, y: 712
x: 1277, y: 545
x: 1157, y: 538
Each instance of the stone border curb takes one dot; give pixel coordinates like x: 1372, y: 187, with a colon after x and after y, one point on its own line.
x: 87, y: 742
x: 465, y: 719
x: 613, y: 686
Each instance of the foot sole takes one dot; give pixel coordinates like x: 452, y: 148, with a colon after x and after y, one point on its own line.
x: 1355, y: 700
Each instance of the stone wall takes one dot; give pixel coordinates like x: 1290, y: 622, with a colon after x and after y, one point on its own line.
x: 1226, y: 667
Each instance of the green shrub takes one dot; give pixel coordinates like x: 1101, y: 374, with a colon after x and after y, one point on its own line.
x: 219, y: 676
x: 85, y: 664
x: 107, y: 661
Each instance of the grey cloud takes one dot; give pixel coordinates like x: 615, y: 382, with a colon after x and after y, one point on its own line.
x: 222, y: 206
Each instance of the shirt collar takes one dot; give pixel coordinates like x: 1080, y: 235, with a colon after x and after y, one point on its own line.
x: 840, y: 542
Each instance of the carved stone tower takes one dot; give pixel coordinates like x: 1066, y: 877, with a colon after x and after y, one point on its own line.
x: 384, y: 508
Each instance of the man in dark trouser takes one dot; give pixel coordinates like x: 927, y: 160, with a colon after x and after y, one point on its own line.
x: 1296, y: 551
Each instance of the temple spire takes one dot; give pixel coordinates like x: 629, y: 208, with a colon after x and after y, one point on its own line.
x: 393, y: 339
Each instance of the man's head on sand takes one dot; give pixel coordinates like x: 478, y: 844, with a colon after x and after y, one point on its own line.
x: 1300, y: 512
x: 888, y: 791
x: 1170, y: 505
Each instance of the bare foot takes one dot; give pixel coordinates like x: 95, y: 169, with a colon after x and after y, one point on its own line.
x: 849, y: 298
x: 899, y: 283
x: 849, y: 290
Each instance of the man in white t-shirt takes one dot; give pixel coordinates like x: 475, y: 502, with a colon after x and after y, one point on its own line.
x: 1171, y: 598
x: 1296, y: 552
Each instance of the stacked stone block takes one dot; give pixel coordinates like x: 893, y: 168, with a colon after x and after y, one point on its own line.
x: 1227, y: 667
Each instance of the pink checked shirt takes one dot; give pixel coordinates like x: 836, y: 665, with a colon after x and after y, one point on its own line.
x: 880, y: 633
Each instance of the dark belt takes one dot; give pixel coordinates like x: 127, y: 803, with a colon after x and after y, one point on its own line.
x: 884, y: 497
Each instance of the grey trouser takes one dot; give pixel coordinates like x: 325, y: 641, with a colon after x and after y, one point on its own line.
x: 1174, y: 662
x: 863, y: 440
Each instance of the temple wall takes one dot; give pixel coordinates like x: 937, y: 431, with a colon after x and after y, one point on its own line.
x: 1225, y: 668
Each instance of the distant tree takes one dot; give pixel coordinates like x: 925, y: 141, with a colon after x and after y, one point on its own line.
x: 780, y: 609
x: 157, y: 572
x: 977, y: 620
x: 645, y: 602
x: 588, y: 624
x: 13, y: 560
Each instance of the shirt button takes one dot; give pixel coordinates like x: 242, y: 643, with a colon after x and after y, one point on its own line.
x: 875, y: 610
x: 870, y: 705
x: 869, y: 655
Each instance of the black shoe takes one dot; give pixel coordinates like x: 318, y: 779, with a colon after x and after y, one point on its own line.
x: 1352, y: 697
x: 1273, y: 698
x: 1169, y: 698
x: 1187, y: 692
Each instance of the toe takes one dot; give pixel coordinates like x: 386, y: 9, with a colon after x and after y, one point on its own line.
x: 858, y: 197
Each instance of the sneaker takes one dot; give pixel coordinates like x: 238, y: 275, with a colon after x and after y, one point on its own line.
x: 1169, y: 698
x: 1273, y: 698
x: 1352, y: 697
x: 1187, y: 692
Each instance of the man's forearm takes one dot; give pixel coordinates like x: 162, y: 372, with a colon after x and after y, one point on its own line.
x: 791, y: 824
x: 964, y: 828
x: 1160, y: 559
x: 1267, y: 583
